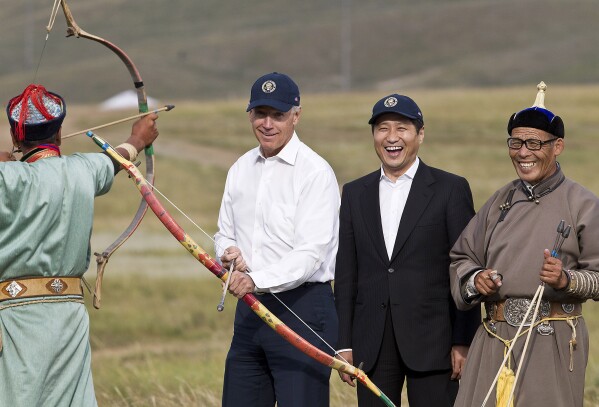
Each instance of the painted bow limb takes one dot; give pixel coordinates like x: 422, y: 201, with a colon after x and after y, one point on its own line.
x: 142, y: 101
x: 203, y: 257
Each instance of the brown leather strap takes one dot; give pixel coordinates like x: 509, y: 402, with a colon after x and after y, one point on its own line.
x: 28, y: 287
x: 557, y: 310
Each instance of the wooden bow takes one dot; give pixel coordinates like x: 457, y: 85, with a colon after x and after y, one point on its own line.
x: 142, y: 101
x: 203, y: 257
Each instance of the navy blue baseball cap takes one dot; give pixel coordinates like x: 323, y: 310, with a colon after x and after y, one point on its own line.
x: 276, y: 90
x: 399, y: 104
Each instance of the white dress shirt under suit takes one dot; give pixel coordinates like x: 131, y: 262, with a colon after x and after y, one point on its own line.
x: 393, y: 197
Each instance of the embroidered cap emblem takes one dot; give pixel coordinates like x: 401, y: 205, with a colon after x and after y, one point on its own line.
x: 390, y: 101
x: 269, y: 86
x: 13, y: 289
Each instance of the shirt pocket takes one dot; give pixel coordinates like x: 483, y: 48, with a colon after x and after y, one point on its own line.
x: 279, y: 223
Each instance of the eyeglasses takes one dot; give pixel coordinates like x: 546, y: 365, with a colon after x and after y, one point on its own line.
x: 531, y: 143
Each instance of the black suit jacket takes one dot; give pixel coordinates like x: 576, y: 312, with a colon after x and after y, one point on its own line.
x: 414, y: 283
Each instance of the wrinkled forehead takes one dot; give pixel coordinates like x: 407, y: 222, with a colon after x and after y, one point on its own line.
x: 531, y: 132
x: 267, y: 110
x: 392, y: 118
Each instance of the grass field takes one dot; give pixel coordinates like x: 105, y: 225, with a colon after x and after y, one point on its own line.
x: 161, y: 342
x: 158, y: 340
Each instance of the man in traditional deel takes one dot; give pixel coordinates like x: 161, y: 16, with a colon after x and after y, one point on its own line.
x: 510, y: 247
x: 46, y: 214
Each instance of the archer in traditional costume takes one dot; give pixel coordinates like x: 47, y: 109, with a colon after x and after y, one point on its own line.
x: 46, y: 215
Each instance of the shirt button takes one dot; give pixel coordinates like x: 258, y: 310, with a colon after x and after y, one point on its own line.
x: 383, y: 305
x: 391, y: 270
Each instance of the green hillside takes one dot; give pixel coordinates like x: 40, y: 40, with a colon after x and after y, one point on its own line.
x: 200, y: 49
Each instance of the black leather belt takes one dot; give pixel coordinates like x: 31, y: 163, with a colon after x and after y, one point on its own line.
x: 311, y: 283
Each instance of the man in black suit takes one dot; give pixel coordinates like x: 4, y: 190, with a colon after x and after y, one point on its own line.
x: 397, y: 226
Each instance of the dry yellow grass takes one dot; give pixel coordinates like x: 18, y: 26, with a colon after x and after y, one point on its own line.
x: 158, y: 340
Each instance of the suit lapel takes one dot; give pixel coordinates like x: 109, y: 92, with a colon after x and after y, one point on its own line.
x: 418, y: 199
x: 371, y: 211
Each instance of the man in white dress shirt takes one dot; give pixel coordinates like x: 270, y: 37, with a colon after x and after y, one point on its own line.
x: 278, y: 222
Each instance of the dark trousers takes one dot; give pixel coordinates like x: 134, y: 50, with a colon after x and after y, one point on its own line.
x: 425, y: 389
x: 263, y: 368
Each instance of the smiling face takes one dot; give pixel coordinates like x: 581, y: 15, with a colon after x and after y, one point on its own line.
x: 396, y: 142
x: 273, y: 129
x: 537, y: 165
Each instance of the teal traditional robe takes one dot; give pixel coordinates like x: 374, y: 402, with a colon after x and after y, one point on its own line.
x: 46, y: 216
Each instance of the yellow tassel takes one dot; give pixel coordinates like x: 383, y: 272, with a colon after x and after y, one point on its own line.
x: 504, y: 387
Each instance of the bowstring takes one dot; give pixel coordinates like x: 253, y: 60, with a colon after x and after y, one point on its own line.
x: 53, y: 14
x: 249, y: 271
x: 308, y: 326
x: 51, y: 21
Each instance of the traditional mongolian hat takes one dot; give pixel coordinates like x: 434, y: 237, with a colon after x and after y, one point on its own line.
x: 538, y: 116
x: 36, y: 114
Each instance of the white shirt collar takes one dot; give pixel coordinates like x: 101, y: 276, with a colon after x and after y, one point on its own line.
x: 410, y: 173
x: 289, y: 151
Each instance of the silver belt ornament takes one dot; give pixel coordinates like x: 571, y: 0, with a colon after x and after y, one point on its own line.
x: 514, y: 310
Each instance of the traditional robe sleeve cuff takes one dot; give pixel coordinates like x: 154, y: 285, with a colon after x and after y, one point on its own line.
x: 467, y: 287
x: 583, y: 284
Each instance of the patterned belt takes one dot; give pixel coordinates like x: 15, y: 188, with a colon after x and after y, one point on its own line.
x: 512, y: 310
x: 40, y: 287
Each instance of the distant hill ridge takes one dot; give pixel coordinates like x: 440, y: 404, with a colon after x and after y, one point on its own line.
x: 201, y: 49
